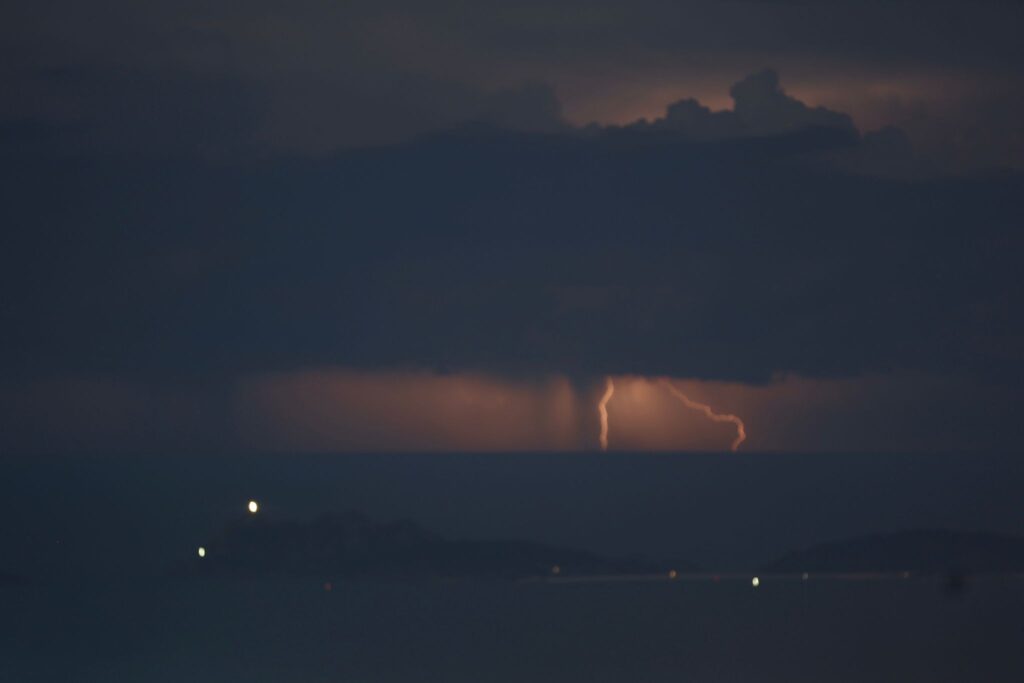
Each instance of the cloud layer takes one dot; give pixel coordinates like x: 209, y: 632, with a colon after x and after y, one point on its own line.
x: 313, y: 78
x: 733, y: 246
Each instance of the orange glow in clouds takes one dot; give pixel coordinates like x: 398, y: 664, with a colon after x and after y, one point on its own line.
x: 357, y: 411
x: 338, y: 410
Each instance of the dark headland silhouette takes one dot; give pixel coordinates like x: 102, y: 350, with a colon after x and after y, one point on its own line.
x: 349, y: 544
x: 920, y: 551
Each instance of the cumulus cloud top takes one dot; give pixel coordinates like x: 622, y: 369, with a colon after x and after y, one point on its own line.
x: 760, y: 108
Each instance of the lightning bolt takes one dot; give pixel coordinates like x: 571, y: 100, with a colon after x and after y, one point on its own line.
x: 741, y: 432
x: 602, y: 410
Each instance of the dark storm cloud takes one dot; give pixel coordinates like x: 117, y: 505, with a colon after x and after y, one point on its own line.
x: 760, y: 108
x: 131, y: 112
x: 331, y: 75
x: 644, y: 249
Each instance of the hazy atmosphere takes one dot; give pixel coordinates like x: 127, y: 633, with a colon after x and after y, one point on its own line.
x: 577, y: 341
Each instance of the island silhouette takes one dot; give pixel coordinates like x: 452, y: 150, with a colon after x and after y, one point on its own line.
x: 349, y: 544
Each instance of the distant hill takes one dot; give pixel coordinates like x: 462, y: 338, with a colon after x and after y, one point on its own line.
x: 350, y: 544
x: 917, y: 551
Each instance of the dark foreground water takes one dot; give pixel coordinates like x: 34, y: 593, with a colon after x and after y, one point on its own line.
x: 99, y: 539
x: 821, y: 631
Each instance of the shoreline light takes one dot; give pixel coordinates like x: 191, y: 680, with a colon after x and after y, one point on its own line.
x: 253, y: 506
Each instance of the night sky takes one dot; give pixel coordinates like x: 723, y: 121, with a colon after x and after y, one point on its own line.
x: 444, y: 226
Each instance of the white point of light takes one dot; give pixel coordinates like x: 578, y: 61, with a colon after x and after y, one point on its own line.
x: 755, y: 582
x: 202, y: 551
x: 253, y: 506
